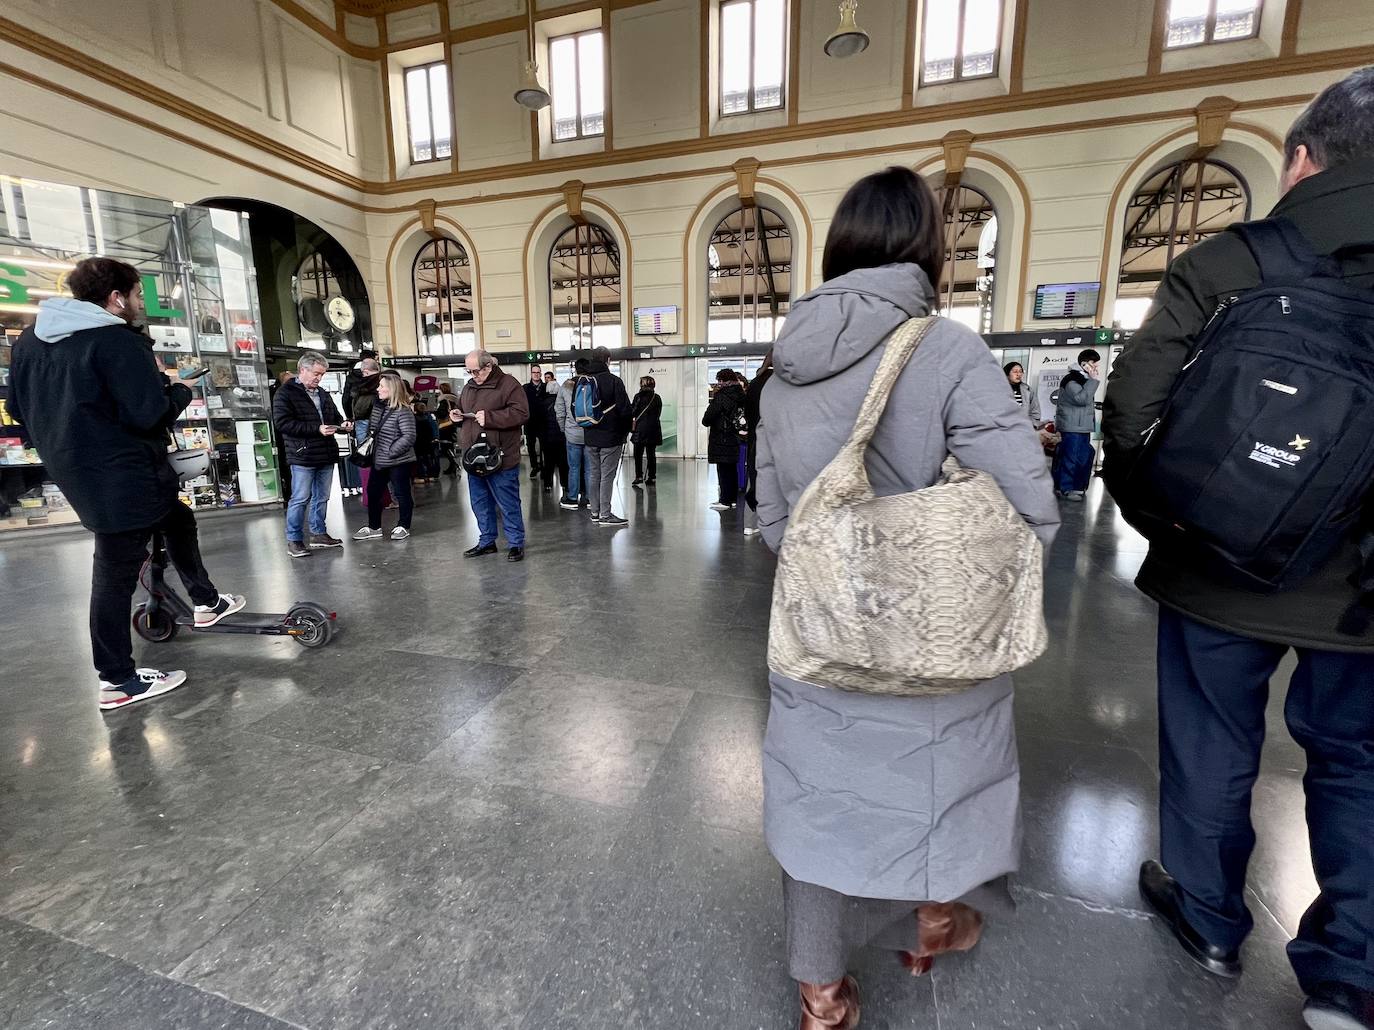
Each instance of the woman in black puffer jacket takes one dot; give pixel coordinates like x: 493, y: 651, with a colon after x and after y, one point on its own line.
x: 723, y: 417
x: 392, y: 428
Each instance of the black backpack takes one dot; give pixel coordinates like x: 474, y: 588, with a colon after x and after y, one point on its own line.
x: 1261, y: 462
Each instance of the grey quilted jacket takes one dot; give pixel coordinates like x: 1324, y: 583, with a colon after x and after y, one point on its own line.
x: 885, y: 797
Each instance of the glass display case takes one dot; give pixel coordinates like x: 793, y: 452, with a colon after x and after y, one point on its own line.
x: 199, y: 288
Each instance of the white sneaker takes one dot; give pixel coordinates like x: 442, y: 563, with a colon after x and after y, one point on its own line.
x: 209, y: 614
x: 400, y: 533
x: 718, y: 506
x: 751, y: 531
x: 145, y: 684
x: 367, y: 533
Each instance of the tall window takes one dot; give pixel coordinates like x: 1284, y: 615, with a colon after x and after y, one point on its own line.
x: 427, y: 113
x: 1192, y: 22
x: 969, y: 274
x: 578, y: 73
x: 584, y: 289
x: 1174, y: 208
x: 443, y: 298
x: 960, y: 40
x: 749, y: 272
x: 753, y: 47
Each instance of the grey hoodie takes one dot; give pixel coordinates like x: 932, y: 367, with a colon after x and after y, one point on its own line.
x: 952, y: 398
x: 563, y: 412
x: 59, y: 317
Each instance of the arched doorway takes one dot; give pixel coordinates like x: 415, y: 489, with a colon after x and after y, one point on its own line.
x: 968, y: 278
x: 442, y: 279
x: 748, y: 275
x: 584, y: 289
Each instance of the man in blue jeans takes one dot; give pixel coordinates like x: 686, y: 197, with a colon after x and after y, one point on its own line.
x: 493, y: 405
x: 307, y: 420
x: 1075, y: 418
x: 1220, y: 645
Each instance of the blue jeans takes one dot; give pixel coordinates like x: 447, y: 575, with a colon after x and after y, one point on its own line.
x: 488, y: 493
x: 1073, y: 462
x: 577, y: 471
x: 308, y: 486
x: 1213, y: 691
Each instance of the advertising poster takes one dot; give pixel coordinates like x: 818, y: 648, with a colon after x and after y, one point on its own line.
x: 1050, y: 367
x: 665, y: 374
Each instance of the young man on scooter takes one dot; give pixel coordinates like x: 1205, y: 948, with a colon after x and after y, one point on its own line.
x: 88, y: 387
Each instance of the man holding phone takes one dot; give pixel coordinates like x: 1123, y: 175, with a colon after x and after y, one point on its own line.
x: 88, y: 388
x: 306, y: 419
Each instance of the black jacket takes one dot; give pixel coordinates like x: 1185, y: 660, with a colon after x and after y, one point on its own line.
x: 533, y: 393
x: 615, y: 402
x: 359, y: 399
x: 98, y: 410
x: 723, y: 448
x: 298, y: 423
x: 1334, y: 209
x: 550, y: 430
x: 645, y: 415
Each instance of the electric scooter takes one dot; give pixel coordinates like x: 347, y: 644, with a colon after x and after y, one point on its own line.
x: 165, y: 611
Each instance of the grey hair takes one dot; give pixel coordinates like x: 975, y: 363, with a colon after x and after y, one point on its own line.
x: 311, y: 359
x: 484, y: 359
x: 602, y: 354
x: 369, y: 365
x: 1338, y: 126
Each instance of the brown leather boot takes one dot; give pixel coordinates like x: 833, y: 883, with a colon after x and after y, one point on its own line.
x: 830, y: 1005
x: 948, y: 926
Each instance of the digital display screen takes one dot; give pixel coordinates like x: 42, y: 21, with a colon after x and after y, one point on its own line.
x: 656, y: 321
x: 1067, y: 300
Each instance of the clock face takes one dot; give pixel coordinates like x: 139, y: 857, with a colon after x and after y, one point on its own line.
x: 340, y: 314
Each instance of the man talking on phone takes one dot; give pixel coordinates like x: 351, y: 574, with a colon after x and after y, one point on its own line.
x: 87, y: 386
x: 306, y: 419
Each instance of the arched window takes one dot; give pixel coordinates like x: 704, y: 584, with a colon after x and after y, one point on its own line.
x: 969, y: 275
x: 1171, y: 210
x: 584, y: 289
x: 749, y: 272
x: 444, y: 317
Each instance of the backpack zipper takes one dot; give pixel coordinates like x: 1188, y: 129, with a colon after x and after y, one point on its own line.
x: 1221, y: 308
x: 1285, y: 306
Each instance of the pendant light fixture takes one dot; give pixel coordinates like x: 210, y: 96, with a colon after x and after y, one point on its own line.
x: 531, y: 94
x: 848, y: 39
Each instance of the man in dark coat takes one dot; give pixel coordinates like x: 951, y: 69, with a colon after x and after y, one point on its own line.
x: 493, y: 405
x: 1219, y: 644
x: 307, y: 420
x: 723, y: 443
x: 89, y: 390
x: 606, y: 439
x: 535, y: 426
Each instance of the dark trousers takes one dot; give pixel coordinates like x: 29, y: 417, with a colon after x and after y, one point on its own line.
x: 650, y: 451
x: 1213, y: 690
x: 1073, y: 462
x: 728, y: 478
x: 555, y: 460
x: 398, y: 478
x: 118, y: 558
x: 532, y: 447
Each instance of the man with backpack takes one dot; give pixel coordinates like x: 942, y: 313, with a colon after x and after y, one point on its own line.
x: 601, y: 407
x: 1236, y: 439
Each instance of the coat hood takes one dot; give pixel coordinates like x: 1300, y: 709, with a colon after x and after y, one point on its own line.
x: 59, y: 317
x: 839, y: 323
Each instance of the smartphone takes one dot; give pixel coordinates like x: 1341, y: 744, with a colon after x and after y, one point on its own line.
x: 192, y: 374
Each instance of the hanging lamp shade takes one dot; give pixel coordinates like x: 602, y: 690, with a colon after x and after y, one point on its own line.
x: 531, y: 94
x: 848, y: 39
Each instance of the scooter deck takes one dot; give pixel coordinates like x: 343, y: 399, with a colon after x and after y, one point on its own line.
x: 241, y: 622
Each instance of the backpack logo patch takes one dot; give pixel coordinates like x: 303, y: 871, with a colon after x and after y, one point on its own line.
x: 1298, y: 443
x: 1277, y: 457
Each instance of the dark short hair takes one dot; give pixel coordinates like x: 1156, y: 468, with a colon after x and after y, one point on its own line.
x: 581, y: 365
x: 725, y: 375
x: 648, y: 379
x: 367, y: 352
x: 887, y: 218
x: 1338, y: 126
x: 94, y: 279
x: 1088, y: 355
x: 1006, y: 369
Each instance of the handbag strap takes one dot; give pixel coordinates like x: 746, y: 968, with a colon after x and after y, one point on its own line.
x: 847, y: 473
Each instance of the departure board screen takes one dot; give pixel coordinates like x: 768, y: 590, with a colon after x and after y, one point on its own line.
x: 1067, y: 300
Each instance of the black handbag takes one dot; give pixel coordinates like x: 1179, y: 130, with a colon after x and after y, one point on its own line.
x: 363, y: 450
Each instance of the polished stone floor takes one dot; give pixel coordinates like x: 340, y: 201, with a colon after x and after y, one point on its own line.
x: 527, y: 796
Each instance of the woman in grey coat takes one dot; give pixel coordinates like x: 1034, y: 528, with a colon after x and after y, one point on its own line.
x: 392, y: 429
x: 885, y: 811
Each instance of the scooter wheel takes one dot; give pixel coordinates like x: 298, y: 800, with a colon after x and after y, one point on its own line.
x: 312, y: 625
x: 157, y: 627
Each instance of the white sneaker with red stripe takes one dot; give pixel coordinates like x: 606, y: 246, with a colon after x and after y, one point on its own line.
x: 144, y: 684
x: 209, y: 614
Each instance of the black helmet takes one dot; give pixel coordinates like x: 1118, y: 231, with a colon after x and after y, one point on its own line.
x: 483, y: 457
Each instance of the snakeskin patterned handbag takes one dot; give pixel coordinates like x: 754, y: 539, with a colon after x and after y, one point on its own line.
x: 915, y: 594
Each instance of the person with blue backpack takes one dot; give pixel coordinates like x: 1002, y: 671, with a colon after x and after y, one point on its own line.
x: 1239, y: 439
x: 576, y: 495
x: 601, y: 406
x: 1075, y: 418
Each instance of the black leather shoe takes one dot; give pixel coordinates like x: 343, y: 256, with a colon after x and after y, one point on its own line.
x: 1338, y: 1006
x: 516, y: 554
x: 1161, y: 890
x: 479, y: 550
